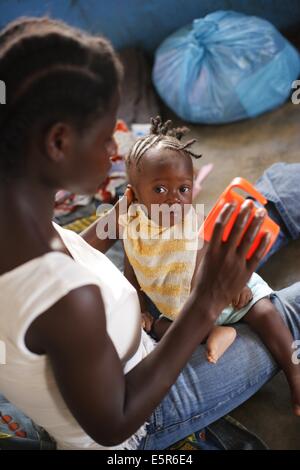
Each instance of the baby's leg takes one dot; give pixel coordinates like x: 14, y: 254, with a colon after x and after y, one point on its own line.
x: 267, y: 323
x: 219, y: 339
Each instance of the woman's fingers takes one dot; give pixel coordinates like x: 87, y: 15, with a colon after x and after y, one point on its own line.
x: 129, y: 195
x: 240, y: 224
x: 251, y: 232
x: 221, y: 222
x: 124, y: 202
x: 257, y: 256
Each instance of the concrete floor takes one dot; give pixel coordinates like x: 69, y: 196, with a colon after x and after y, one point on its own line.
x: 246, y: 149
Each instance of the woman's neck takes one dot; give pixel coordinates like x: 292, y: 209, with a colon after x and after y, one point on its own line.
x: 27, y: 201
x: 26, y: 230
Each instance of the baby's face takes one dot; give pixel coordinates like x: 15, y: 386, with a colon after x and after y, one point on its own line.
x: 164, y: 176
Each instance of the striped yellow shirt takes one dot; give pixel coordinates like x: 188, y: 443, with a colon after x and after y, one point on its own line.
x: 163, y: 258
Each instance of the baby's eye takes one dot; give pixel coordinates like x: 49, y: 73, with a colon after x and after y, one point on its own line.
x: 159, y: 189
x: 185, y: 189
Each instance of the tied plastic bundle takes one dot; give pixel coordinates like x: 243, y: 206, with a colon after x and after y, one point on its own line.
x: 225, y: 67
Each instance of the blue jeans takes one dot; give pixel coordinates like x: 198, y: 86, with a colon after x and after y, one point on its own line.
x: 33, y: 437
x: 284, y: 236
x: 280, y: 184
x: 204, y: 392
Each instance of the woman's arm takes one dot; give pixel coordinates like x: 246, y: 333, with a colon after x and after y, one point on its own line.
x: 108, y: 405
x: 147, y: 320
x: 131, y: 277
x: 110, y: 219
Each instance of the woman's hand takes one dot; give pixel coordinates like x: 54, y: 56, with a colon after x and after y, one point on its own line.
x: 103, y: 233
x: 122, y: 205
x: 225, y: 269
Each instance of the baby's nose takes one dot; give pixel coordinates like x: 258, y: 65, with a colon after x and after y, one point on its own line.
x: 173, y: 199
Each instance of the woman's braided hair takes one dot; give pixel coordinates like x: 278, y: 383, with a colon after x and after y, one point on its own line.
x: 163, y: 133
x: 52, y: 72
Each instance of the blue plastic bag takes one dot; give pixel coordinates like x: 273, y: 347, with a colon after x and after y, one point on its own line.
x: 225, y: 67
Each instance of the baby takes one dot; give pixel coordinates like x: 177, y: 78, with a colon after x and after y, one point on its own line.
x: 161, y: 265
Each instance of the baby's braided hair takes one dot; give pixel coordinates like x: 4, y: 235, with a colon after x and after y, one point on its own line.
x: 164, y: 133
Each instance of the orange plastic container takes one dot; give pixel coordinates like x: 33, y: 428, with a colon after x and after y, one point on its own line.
x: 229, y: 195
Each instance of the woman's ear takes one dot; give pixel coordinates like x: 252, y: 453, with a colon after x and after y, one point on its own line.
x: 58, y: 141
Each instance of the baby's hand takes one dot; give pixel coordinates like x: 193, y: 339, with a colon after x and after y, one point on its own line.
x: 147, y: 321
x: 243, y: 298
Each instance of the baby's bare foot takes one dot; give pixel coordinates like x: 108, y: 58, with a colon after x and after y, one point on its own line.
x: 220, y: 338
x: 211, y: 357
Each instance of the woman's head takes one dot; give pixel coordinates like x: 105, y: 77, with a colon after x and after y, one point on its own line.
x: 62, y: 92
x: 160, y: 168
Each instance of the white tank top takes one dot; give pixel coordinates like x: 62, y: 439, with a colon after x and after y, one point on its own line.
x: 29, y: 290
